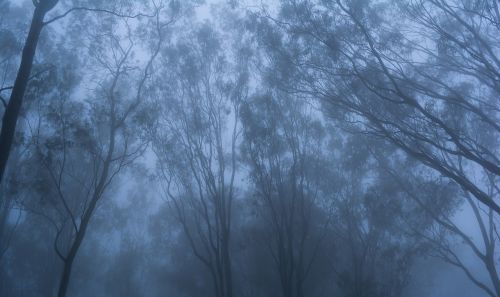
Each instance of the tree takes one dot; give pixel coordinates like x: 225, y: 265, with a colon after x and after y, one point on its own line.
x: 13, y: 106
x: 11, y: 189
x: 376, y: 219
x: 447, y: 237
x: 284, y: 147
x: 425, y: 83
x: 398, y: 87
x: 196, y: 146
x: 83, y: 146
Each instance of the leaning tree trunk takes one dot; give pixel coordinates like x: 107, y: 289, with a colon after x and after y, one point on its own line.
x: 13, y: 107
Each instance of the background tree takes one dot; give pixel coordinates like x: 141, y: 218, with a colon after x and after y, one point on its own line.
x: 196, y: 145
x: 284, y: 146
x: 80, y: 160
x: 377, y: 219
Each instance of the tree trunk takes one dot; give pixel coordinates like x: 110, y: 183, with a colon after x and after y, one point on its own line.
x: 227, y: 269
x: 492, y: 271
x: 75, y: 246
x: 13, y: 107
x: 63, y: 285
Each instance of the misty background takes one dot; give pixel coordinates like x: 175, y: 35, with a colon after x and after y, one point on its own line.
x: 225, y: 148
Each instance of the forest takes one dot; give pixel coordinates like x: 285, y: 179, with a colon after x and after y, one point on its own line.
x: 250, y: 148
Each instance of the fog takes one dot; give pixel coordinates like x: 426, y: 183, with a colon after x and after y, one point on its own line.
x: 238, y: 148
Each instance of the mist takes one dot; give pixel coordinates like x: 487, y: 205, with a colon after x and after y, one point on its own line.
x: 238, y: 148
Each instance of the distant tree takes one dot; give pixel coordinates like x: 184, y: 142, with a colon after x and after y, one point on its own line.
x: 284, y: 147
x: 196, y: 146
x: 376, y: 220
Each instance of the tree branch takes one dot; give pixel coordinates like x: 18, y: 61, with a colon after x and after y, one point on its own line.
x: 99, y: 10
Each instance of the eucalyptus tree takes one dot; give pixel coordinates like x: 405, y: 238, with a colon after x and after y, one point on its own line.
x: 13, y: 107
x: 81, y: 147
x: 17, y: 90
x: 378, y: 222
x: 284, y: 147
x: 43, y: 79
x: 426, y: 83
x: 195, y: 142
x: 448, y: 238
x: 15, y: 94
x: 410, y: 81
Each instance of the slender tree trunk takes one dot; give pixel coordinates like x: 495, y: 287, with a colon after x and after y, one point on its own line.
x: 227, y: 269
x: 68, y: 262
x: 63, y: 285
x: 75, y: 246
x: 4, y: 211
x: 13, y: 108
x: 492, y: 271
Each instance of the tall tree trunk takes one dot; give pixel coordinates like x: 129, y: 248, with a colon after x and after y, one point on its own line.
x: 227, y: 268
x: 13, y: 107
x: 75, y: 246
x: 63, y: 285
